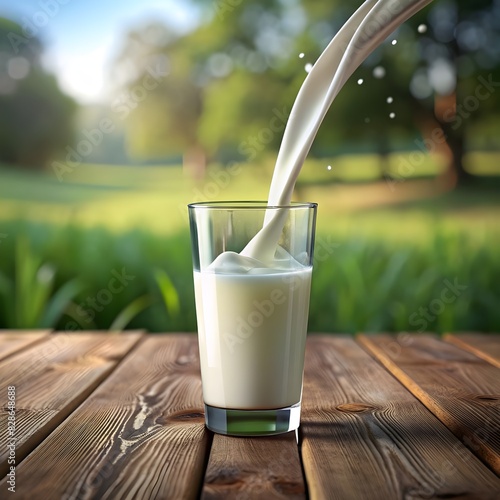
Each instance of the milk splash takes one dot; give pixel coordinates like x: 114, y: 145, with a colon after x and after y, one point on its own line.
x: 365, y: 30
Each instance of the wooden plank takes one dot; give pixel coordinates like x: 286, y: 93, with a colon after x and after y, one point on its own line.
x: 482, y: 345
x: 258, y: 467
x: 12, y: 341
x: 141, y: 434
x: 51, y: 379
x: 462, y: 390
x: 363, y: 435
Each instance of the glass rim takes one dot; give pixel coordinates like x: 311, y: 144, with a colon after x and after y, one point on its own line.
x: 249, y: 205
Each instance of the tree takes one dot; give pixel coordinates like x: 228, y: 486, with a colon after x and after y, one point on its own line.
x: 156, y: 74
x: 35, y: 116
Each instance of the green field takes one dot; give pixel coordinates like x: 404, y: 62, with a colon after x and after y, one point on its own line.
x: 400, y: 254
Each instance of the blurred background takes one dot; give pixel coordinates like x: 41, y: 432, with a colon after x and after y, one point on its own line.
x: 114, y: 115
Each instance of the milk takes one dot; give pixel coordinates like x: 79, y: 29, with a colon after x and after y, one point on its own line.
x: 252, y: 332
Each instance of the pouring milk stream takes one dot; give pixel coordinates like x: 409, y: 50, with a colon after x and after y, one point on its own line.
x: 365, y: 30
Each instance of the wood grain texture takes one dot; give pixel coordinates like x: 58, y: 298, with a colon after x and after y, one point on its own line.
x: 258, y: 467
x: 12, y: 341
x: 141, y: 434
x: 462, y: 390
x: 364, y: 436
x: 51, y: 379
x: 485, y: 346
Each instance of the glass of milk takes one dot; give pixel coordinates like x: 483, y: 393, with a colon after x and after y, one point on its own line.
x: 252, y: 305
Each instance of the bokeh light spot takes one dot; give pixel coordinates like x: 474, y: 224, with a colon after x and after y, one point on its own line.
x: 18, y: 68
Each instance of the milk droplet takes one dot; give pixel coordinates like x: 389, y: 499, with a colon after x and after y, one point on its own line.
x: 308, y: 67
x: 329, y: 167
x: 360, y: 81
x: 301, y: 55
x: 389, y: 100
x: 394, y: 42
x: 379, y: 72
x: 422, y: 28
x: 392, y: 115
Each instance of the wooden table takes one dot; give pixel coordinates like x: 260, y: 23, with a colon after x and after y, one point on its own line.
x: 102, y: 415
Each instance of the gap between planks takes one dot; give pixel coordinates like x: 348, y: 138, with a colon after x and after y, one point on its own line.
x: 365, y: 436
x: 140, y: 434
x: 462, y: 390
x: 485, y: 346
x: 52, y: 378
x: 14, y: 341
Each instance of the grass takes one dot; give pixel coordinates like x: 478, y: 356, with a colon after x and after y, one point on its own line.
x: 390, y: 252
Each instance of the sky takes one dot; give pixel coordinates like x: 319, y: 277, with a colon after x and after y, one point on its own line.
x: 82, y: 37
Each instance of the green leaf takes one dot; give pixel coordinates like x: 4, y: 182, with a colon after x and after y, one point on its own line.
x: 27, y: 295
x: 130, y: 311
x: 5, y: 286
x: 168, y: 292
x: 60, y: 302
x: 7, y: 291
x: 42, y: 287
x: 73, y: 311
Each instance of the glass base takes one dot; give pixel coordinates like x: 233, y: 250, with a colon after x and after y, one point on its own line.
x: 252, y: 422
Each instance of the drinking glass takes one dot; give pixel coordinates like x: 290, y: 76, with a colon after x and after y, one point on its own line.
x: 252, y: 314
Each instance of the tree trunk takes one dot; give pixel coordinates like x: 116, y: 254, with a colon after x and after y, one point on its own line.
x: 445, y: 109
x: 455, y: 139
x: 194, y: 162
x: 383, y: 156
